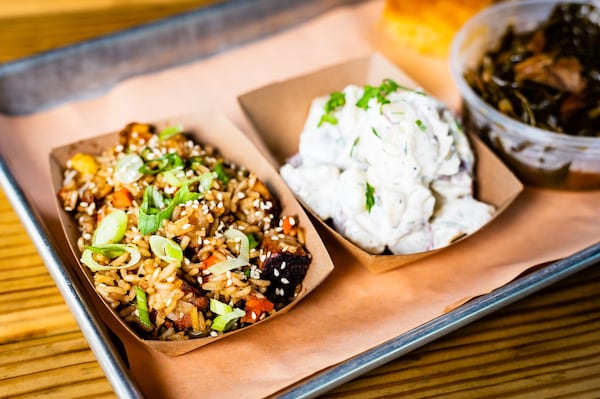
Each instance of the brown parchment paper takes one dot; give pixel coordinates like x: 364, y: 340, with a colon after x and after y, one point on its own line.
x: 207, y: 128
x: 353, y: 310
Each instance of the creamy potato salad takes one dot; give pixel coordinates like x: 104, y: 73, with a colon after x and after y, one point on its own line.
x: 390, y: 168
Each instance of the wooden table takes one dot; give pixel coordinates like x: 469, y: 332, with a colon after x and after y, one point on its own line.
x: 546, y: 346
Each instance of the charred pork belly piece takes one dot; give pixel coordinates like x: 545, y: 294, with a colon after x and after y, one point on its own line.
x: 284, y: 262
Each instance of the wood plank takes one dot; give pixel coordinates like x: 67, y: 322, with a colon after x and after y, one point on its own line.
x: 38, y: 364
x: 26, y: 283
x: 20, y: 261
x: 96, y: 389
x: 36, y: 322
x: 51, y: 379
x: 29, y: 299
x: 60, y: 29
x: 37, y: 342
x: 23, y: 272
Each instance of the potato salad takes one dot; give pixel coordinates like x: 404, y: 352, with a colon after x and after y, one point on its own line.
x: 389, y: 167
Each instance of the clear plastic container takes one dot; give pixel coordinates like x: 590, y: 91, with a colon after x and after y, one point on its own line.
x: 538, y: 157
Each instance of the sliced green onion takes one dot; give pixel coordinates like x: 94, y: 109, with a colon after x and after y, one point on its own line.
x: 226, y: 265
x: 233, y: 234
x: 224, y: 322
x: 127, y: 168
x: 243, y: 259
x: 88, y: 259
x: 166, y: 249
x: 421, y: 125
x: 169, y: 132
x: 175, y: 177
x: 219, y: 307
x: 166, y: 162
x: 151, y: 214
x: 111, y: 228
x: 226, y: 315
x: 142, y: 306
x: 108, y: 250
x: 221, y: 174
x: 205, y: 181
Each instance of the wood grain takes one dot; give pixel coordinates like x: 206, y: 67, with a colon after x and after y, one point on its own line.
x: 545, y: 346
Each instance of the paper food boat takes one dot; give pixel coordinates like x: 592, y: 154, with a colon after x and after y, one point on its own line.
x: 278, y: 112
x: 210, y: 129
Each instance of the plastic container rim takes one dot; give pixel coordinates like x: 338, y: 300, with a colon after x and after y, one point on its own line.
x: 496, y: 117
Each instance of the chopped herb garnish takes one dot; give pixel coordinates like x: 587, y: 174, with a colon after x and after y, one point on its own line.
x: 369, y: 197
x: 336, y: 100
x: 375, y: 132
x: 369, y: 92
x: 328, y: 118
x: 380, y: 92
x: 221, y: 174
x: 354, y: 144
x: 421, y: 125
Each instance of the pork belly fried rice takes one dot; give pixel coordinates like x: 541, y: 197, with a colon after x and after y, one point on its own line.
x: 181, y: 243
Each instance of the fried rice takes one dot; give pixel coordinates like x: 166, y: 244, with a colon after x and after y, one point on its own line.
x: 180, y: 242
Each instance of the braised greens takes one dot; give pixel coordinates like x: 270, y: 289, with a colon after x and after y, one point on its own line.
x: 549, y: 77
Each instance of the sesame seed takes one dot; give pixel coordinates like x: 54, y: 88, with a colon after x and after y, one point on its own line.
x: 214, y: 334
x: 285, y: 280
x: 241, y: 195
x: 276, y: 272
x: 186, y: 226
x: 253, y: 315
x: 283, y: 264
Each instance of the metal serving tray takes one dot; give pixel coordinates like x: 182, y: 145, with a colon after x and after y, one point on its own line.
x: 95, y: 65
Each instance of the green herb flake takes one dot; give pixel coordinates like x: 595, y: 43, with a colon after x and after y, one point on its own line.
x: 380, y: 93
x: 369, y: 197
x: 421, y: 125
x: 375, y: 132
x: 369, y: 92
x: 354, y: 144
x: 336, y: 100
x: 327, y: 118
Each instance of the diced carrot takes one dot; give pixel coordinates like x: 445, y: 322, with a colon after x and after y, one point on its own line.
x: 287, y: 223
x: 256, y: 306
x: 211, y: 260
x: 122, y: 198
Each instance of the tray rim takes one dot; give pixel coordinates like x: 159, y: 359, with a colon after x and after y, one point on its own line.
x: 107, y: 354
